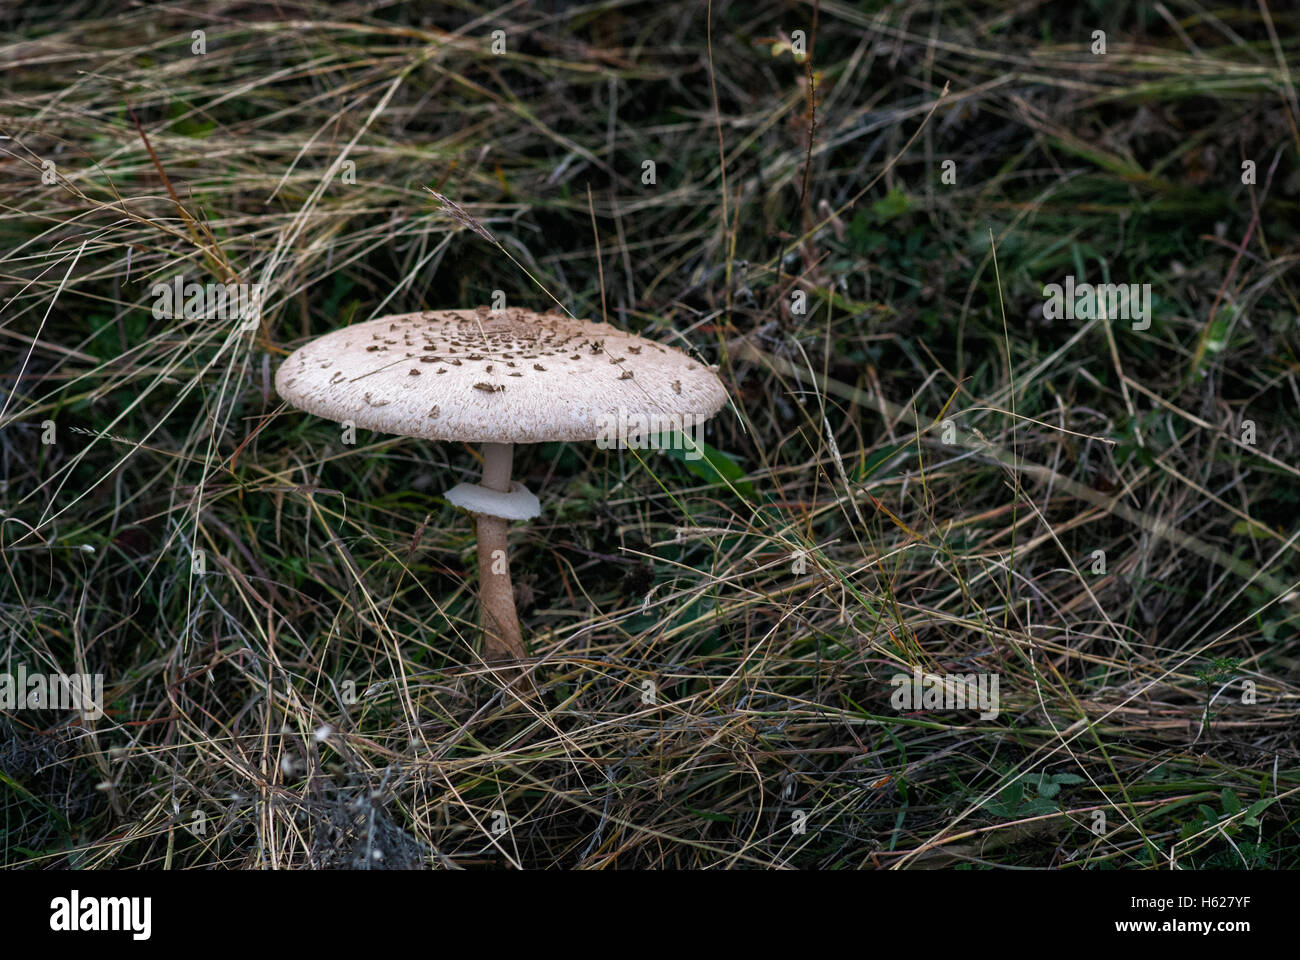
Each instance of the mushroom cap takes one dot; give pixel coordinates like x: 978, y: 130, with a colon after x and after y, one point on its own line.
x: 485, y: 376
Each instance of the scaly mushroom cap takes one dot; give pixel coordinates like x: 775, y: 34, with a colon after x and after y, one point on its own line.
x: 484, y: 376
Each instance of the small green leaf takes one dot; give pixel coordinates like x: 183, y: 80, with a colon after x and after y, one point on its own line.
x: 1256, y: 531
x: 1251, y: 819
x: 713, y: 467
x: 1217, y: 337
x: 891, y: 205
x: 1036, y: 807
x: 862, y: 237
x: 1231, y: 803
x: 1259, y: 806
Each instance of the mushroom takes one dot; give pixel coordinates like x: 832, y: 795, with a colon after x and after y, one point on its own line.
x: 502, y: 377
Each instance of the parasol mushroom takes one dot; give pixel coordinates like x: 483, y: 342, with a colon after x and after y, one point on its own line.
x: 498, y: 378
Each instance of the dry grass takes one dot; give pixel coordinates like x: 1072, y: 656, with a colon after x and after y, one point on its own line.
x: 917, y: 472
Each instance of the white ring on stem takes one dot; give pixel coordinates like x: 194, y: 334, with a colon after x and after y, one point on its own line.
x: 518, y: 504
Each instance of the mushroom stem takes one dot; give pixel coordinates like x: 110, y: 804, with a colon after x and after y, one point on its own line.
x: 502, y: 639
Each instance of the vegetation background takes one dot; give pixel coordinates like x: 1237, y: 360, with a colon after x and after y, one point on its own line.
x: 918, y: 472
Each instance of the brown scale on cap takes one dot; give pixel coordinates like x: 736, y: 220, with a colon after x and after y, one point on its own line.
x: 539, y: 406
